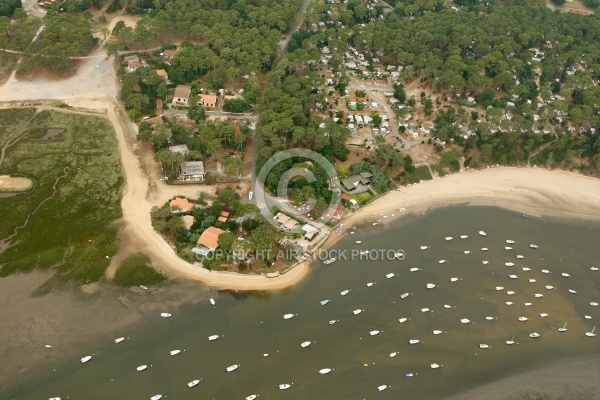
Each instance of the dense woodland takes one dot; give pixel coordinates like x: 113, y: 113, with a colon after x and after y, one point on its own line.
x: 8, y: 7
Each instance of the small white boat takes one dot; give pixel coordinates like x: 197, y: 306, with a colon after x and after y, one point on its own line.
x: 482, y: 233
x: 543, y: 315
x: 533, y: 246
x: 434, y: 366
x: 165, y: 315
x: 465, y: 321
x: 563, y: 329
x: 48, y: 346
x: 86, y: 359
x: 358, y: 241
x: 523, y: 319
x: 252, y: 397
x: 447, y: 306
x: 54, y: 398
x: 284, y: 386
x: 484, y: 262
x: 499, y: 288
x: 232, y: 368
x: 509, y: 303
x: 424, y: 247
x: 512, y: 276
x: 437, y: 332
x: 329, y: 261
x: 143, y: 287
x: 510, y: 292
x: 333, y: 321
x: 545, y: 271
x: 345, y: 292
x: 510, y: 241
x: 305, y: 344
x: 527, y: 304
x: 174, y: 352
x: 587, y: 316
x: 212, y: 301
x: 325, y: 371
x: 323, y: 302
x: 413, y: 341
x: 373, y: 333
x: 484, y: 249
x: 119, y: 340
x: 390, y: 275
x: 572, y: 291
x: 520, y: 257
x: 404, y: 295
x: 531, y: 280
x: 141, y: 368
x: 534, y: 335
x: 509, y: 264
x: 449, y: 238
x: 565, y: 275
x: 409, y: 374
x: 394, y: 354
x: 467, y: 252
x: 511, y: 341
x: 507, y: 248
x: 483, y: 346
x: 463, y: 236
x: 526, y: 269
x: 364, y: 252
x: 441, y: 261
x: 415, y: 269
x: 594, y: 268
x: 381, y: 388
x: 430, y: 286
x: 193, y: 383
x: 425, y: 309
x: 593, y: 304
x: 369, y: 284
x: 538, y: 295
x: 489, y: 318
x: 453, y: 279
x: 355, y: 312
x: 402, y: 320
x: 549, y: 287
x: 288, y: 316
x: 156, y: 397
x: 213, y: 337
x: 591, y: 334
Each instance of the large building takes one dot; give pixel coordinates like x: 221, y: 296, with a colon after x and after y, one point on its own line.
x: 182, y: 95
x: 191, y: 171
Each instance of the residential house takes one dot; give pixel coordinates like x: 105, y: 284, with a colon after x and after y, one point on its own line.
x: 182, y: 95
x: 163, y: 74
x: 357, y: 183
x: 169, y: 54
x: 159, y: 103
x: 180, y: 205
x: 192, y: 171
x: 223, y: 217
x: 154, y: 121
x: 208, y: 100
x: 310, y: 232
x: 208, y: 241
x: 181, y: 149
x: 285, y: 222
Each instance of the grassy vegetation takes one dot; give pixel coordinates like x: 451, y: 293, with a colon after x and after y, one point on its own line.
x: 416, y: 174
x: 136, y: 270
x: 448, y: 163
x: 67, y: 221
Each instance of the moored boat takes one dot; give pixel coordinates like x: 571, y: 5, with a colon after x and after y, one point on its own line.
x: 402, y: 320
x: 531, y: 280
x: 594, y: 268
x: 434, y: 366
x: 523, y: 319
x: 465, y: 321
x: 587, y: 316
x: 424, y: 309
x: 447, y: 306
x: 325, y: 371
x: 549, y: 287
x: 174, y: 352
x: 232, y: 368
x: 484, y: 249
x: 449, y: 238
x: 511, y: 341
x: 141, y: 368
x: 572, y: 291
x: 482, y: 233
x: 404, y: 295
x: 252, y: 397
x: 563, y: 329
x: 288, y: 316
x: 381, y: 388
x: 483, y: 346
x: 213, y: 337
x: 533, y: 246
x: 415, y: 269
x: 509, y: 264
x: 413, y: 341
x: 512, y: 276
x: 284, y: 386
x: 507, y: 248
x: 369, y: 284
x: 510, y: 241
x: 437, y: 332
x: 333, y: 321
x: 484, y: 262
x: 390, y: 275
x: 467, y: 252
x: 143, y: 287
x: 463, y: 236
x: 430, y: 286
x: 593, y: 304
x: 442, y: 261
x: 305, y: 344
x: 453, y: 279
x: 212, y: 301
x: 345, y: 292
x: 543, y: 315
x: 323, y: 302
x: 156, y: 397
x: 193, y: 383
x: 86, y: 359
x: 394, y: 354
x: 119, y: 340
x: 545, y: 271
x: 534, y: 335
x: 424, y: 247
x: 591, y: 334
x: 510, y: 292
x: 356, y: 312
x: 165, y: 315
x: 329, y: 261
x: 375, y: 332
x: 538, y: 295
x: 565, y: 275
x: 526, y: 269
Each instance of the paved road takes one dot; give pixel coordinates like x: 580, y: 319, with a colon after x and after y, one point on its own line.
x: 295, y: 27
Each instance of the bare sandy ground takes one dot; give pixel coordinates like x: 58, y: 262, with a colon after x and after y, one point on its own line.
x: 14, y: 183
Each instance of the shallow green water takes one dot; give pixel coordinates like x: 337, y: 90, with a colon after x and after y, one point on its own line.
x: 252, y: 325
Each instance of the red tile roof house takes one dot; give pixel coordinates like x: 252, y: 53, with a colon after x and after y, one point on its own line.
x: 208, y: 100
x: 208, y: 241
x: 182, y: 95
x: 180, y: 205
